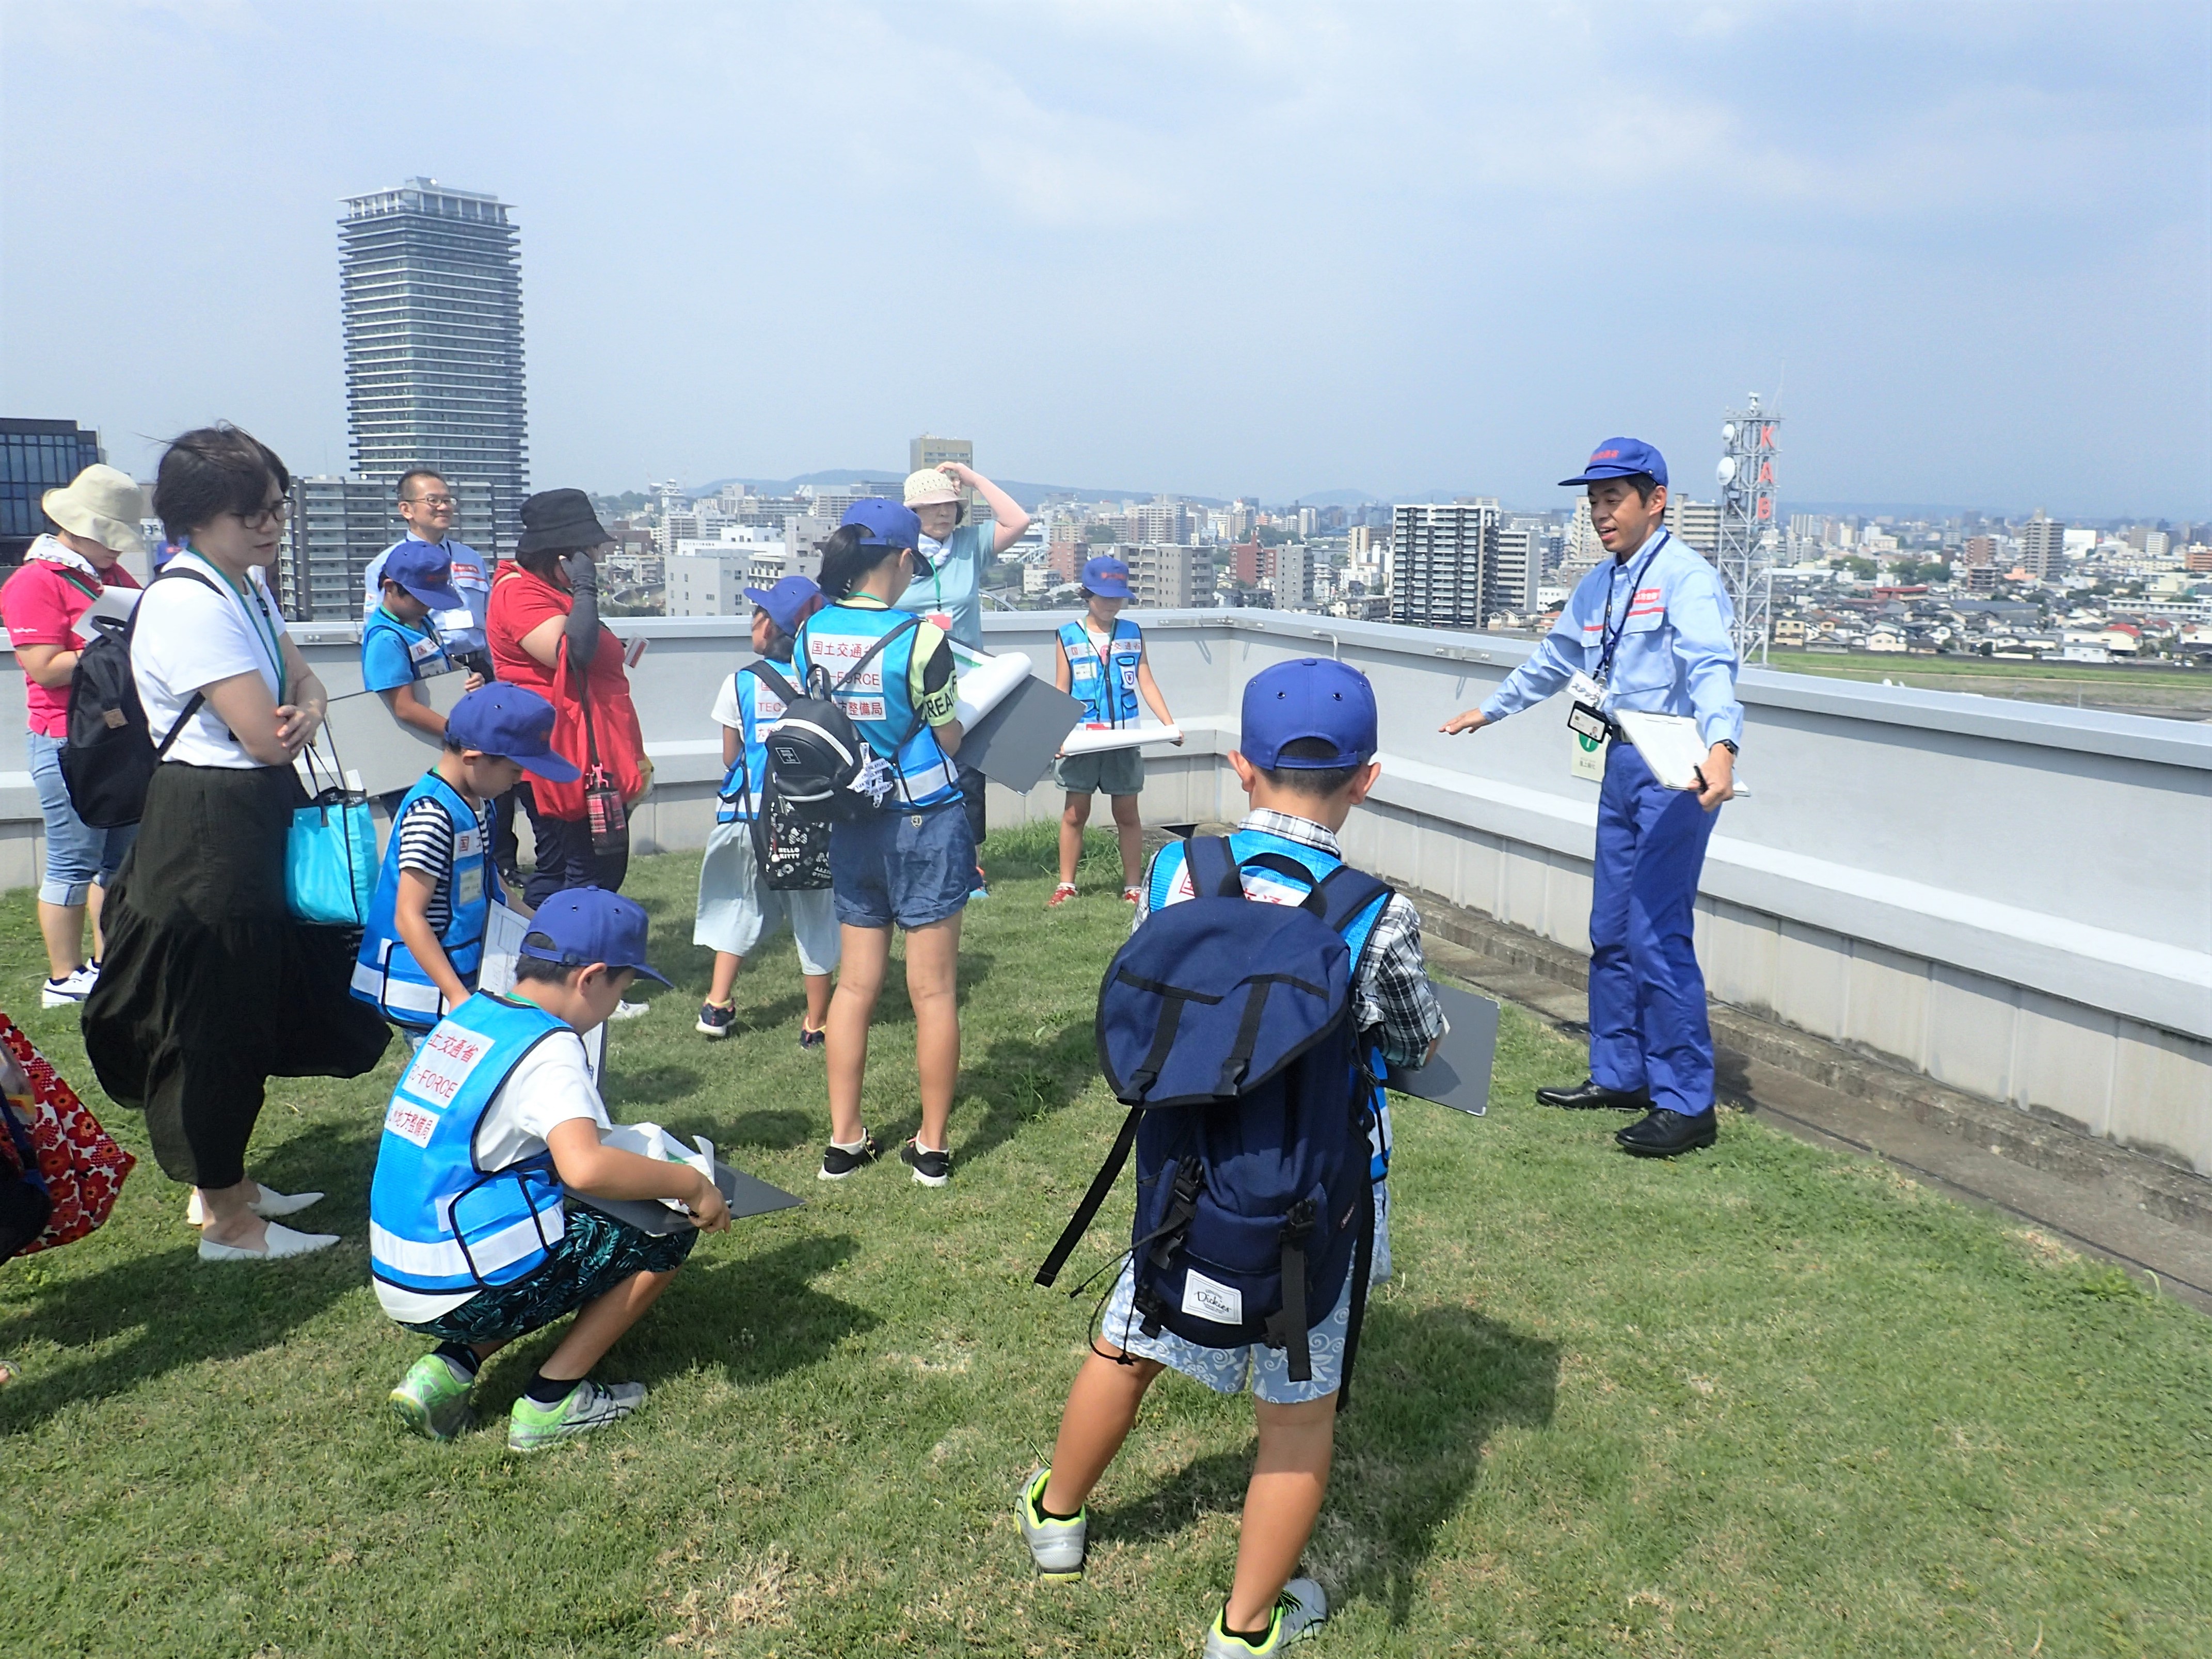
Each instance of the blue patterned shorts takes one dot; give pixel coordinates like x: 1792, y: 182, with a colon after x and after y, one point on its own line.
x: 596, y: 1253
x: 1265, y: 1371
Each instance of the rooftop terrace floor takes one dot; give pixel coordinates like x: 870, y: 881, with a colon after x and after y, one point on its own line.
x: 1767, y: 1400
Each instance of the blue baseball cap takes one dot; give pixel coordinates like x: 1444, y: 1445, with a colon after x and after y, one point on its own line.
x: 425, y: 572
x: 580, y: 925
x: 1621, y: 457
x: 1106, y: 577
x: 888, y: 523
x: 789, y: 602
x: 1312, y: 697
x: 514, y: 723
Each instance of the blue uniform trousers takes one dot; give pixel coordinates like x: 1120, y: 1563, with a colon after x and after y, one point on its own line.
x: 1647, y: 998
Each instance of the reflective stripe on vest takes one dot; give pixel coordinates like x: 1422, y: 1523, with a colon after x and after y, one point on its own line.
x: 386, y: 974
x: 1105, y: 683
x: 437, y: 1223
x: 879, y: 701
x: 1170, y: 885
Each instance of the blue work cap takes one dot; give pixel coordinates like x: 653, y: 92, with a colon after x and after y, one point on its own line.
x: 1621, y: 457
x: 1312, y: 697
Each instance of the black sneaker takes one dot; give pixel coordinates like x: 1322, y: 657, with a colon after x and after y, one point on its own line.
x: 716, y: 1020
x: 837, y: 1163
x: 811, y: 1040
x: 930, y: 1168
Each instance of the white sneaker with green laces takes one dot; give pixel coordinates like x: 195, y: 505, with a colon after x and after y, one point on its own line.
x: 1298, y: 1611
x: 531, y: 1427
x: 1056, y: 1547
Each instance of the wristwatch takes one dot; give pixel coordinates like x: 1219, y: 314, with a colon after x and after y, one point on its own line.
x: 1729, y: 743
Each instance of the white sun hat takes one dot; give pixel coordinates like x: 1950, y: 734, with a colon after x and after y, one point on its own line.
x: 929, y: 487
x: 101, y: 503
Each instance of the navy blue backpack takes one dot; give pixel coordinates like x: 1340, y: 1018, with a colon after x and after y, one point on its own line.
x: 1228, y: 1028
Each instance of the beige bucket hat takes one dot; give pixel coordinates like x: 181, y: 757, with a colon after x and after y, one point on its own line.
x: 102, y: 503
x: 929, y: 487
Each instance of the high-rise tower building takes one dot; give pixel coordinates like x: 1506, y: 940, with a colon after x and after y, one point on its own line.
x: 2043, y: 547
x: 1445, y: 560
x: 431, y: 282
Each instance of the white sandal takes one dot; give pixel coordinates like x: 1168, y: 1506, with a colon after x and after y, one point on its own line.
x: 270, y: 1204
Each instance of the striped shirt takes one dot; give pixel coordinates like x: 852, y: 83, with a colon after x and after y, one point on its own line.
x: 426, y: 845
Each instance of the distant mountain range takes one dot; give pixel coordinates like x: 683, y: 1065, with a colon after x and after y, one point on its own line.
x: 1029, y: 495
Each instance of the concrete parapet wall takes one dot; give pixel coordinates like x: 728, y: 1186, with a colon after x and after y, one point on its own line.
x: 2013, y: 899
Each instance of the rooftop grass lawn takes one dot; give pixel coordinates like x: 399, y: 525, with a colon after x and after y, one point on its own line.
x: 1764, y: 1400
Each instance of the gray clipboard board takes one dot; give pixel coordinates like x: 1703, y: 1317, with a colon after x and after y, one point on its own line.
x: 1014, y: 743
x: 745, y: 1196
x: 372, y: 743
x: 1459, y: 1077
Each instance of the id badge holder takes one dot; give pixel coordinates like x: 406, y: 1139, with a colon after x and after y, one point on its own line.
x: 1587, y: 729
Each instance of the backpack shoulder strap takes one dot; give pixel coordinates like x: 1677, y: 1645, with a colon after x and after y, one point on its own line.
x: 130, y: 632
x: 873, y: 651
x: 1210, y: 863
x: 1346, y: 893
x: 775, y: 682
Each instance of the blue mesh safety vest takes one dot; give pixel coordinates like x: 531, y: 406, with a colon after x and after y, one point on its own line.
x: 386, y: 974
x: 879, y: 701
x: 1273, y: 886
x: 425, y: 647
x: 759, y: 708
x: 1104, y: 682
x: 439, y: 1223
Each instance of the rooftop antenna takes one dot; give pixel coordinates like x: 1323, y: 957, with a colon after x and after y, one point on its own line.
x: 1746, y: 476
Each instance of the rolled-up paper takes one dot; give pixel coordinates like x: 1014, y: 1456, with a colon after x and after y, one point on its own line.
x: 986, y: 682
x: 1091, y: 739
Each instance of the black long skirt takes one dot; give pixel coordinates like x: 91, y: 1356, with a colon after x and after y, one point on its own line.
x: 209, y: 987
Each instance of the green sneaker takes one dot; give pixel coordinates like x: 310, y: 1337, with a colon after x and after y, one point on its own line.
x: 1056, y: 1547
x: 432, y: 1398
x: 1298, y: 1612
x: 532, y: 1427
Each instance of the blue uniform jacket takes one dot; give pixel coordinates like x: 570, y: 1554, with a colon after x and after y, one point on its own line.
x: 1674, y: 655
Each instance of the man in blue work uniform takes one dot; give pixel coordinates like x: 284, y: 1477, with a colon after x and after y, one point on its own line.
x: 1648, y: 631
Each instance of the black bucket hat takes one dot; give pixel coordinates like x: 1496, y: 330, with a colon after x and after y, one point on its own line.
x: 560, y: 518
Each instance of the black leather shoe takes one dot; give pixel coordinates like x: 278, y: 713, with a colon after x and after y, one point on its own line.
x: 1589, y: 1095
x: 1664, y: 1133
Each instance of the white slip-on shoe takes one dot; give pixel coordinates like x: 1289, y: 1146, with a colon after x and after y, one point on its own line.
x: 631, y: 1009
x: 270, y: 1204
x: 281, y: 1241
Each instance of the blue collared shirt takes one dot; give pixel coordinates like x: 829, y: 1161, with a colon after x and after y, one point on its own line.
x: 1674, y: 655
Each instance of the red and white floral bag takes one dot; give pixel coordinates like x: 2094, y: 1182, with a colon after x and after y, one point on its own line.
x: 52, y: 1141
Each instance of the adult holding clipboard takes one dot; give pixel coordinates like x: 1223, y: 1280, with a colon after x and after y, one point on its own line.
x: 1649, y: 632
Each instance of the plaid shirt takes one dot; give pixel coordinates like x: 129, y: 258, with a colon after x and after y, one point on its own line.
x: 1393, y: 980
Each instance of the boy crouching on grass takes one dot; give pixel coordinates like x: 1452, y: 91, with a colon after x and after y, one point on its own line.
x: 1307, y: 743
x: 495, y: 1123
x: 423, y: 946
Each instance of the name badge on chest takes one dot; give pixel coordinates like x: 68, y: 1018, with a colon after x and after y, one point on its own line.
x: 1588, y: 728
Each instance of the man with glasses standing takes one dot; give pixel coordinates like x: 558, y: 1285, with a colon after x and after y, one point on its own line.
x: 427, y: 505
x: 1648, y: 631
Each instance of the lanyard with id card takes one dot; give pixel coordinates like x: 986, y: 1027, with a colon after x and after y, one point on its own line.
x: 1587, y: 727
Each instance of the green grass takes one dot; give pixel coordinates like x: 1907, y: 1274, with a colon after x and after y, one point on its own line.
x: 1762, y: 1402
x: 2126, y: 687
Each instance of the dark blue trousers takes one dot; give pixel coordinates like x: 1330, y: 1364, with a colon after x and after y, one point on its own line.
x: 1647, y: 998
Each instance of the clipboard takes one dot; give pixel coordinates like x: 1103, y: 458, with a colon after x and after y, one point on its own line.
x: 1670, y: 746
x: 1459, y: 1077
x: 1014, y: 743
x: 744, y: 1194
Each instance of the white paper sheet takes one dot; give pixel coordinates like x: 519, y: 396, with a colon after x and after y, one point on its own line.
x: 1670, y: 746
x: 1091, y: 739
x: 115, y: 604
x: 986, y: 682
x: 503, y: 932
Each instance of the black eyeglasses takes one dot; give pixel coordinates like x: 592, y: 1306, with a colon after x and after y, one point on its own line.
x: 275, y: 512
x: 434, y: 501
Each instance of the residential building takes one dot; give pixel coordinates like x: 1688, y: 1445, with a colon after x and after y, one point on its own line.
x: 1520, y: 569
x: 430, y: 280
x: 335, y: 527
x: 929, y: 450
x: 1583, y: 552
x: 2043, y: 547
x: 711, y: 581
x: 1981, y: 550
x: 1293, y: 579
x: 1161, y: 521
x: 1698, y: 522
x: 1445, y: 559
x: 36, y: 456
x: 1169, y: 576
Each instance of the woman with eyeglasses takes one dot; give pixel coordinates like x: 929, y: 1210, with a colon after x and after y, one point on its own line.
x: 210, y: 988
x: 910, y: 861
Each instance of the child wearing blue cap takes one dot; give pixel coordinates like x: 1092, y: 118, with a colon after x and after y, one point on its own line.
x: 1305, y: 758
x: 909, y: 861
x: 400, y: 644
x: 423, y: 946
x: 735, y: 905
x: 495, y: 1127
x: 1102, y: 660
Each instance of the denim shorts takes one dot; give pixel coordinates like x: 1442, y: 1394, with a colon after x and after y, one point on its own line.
x: 909, y: 867
x: 1265, y: 1371
x: 1102, y: 772
x: 596, y: 1254
x: 77, y: 855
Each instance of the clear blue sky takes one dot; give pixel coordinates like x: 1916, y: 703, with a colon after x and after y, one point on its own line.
x: 1217, y: 249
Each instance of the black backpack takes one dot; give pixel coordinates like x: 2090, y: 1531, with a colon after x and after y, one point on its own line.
x: 110, y: 755
x: 816, y: 756
x: 1228, y: 1028
x: 792, y: 852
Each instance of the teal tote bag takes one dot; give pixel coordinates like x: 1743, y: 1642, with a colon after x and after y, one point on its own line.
x: 329, y: 855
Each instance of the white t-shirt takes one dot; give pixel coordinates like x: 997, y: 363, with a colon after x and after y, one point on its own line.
x: 552, y: 1085
x: 725, y: 705
x: 187, y: 639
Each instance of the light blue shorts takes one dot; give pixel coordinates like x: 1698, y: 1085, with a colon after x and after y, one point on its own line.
x: 77, y: 855
x: 1265, y: 1371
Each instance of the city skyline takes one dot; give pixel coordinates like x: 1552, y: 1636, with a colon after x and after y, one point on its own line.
x: 1294, y: 251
